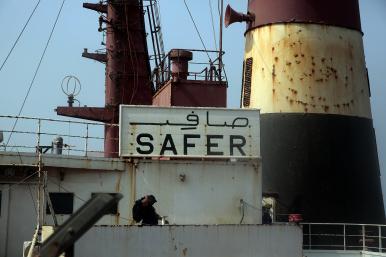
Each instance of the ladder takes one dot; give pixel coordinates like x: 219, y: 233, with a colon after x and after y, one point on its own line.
x: 153, y: 14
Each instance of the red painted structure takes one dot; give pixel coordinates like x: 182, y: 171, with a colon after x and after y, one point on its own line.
x: 191, y: 93
x: 190, y: 89
x: 342, y: 13
x: 127, y: 67
x: 128, y: 74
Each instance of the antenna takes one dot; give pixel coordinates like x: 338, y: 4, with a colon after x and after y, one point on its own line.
x: 71, y: 87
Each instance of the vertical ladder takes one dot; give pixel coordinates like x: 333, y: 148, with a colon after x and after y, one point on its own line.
x: 156, y: 38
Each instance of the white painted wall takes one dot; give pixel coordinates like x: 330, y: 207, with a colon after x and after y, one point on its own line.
x: 84, y: 183
x: 209, y: 195
x: 18, y: 219
x: 192, y: 241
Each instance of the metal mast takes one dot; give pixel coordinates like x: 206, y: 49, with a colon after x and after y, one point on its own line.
x: 127, y: 66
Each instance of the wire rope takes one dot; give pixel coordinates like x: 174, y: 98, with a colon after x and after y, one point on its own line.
x: 36, y: 71
x: 212, y: 20
x: 20, y: 34
x: 198, y: 32
x: 76, y: 196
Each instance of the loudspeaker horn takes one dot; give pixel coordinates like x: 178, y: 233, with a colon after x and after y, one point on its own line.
x: 232, y: 16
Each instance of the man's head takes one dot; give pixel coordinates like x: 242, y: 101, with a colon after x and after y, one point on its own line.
x: 149, y: 200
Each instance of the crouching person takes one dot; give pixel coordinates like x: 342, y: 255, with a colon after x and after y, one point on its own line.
x: 144, y: 212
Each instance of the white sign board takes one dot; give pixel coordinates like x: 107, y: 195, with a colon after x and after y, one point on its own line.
x: 149, y: 131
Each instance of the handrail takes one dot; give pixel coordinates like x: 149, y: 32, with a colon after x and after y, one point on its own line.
x: 79, y: 138
x: 340, y: 223
x: 343, y: 236
x: 163, y: 71
x: 57, y: 120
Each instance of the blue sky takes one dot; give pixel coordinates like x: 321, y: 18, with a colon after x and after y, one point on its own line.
x: 77, y: 29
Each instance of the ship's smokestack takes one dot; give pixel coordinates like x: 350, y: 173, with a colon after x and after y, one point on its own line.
x: 304, y: 68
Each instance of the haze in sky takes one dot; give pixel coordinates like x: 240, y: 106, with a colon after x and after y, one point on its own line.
x: 77, y: 29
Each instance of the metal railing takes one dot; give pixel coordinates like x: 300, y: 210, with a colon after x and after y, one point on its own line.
x: 200, y: 69
x: 33, y: 134
x: 344, y: 236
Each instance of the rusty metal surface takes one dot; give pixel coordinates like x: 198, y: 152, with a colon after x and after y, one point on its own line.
x: 96, y: 7
x: 342, y: 13
x: 181, y: 54
x: 180, y: 63
x: 89, y: 113
x: 128, y: 68
x: 191, y: 93
x: 192, y: 241
x: 100, y: 57
x: 308, y: 68
x: 164, y: 95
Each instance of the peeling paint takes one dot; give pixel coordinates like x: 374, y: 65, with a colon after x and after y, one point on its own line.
x: 322, y: 63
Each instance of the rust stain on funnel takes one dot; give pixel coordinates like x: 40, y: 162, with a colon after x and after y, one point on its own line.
x: 317, y: 70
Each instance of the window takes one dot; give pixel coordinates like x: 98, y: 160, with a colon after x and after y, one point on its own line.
x: 62, y: 203
x: 247, y: 82
x: 114, y: 208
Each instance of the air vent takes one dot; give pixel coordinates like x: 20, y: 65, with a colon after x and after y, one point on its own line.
x: 242, y: 86
x: 247, y: 82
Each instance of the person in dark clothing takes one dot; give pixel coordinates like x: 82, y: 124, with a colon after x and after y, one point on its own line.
x: 144, y: 211
x: 267, y: 219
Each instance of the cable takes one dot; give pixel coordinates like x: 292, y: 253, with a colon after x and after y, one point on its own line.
x: 134, y: 67
x: 21, y: 32
x: 76, y: 196
x: 214, y: 31
x: 32, y: 197
x: 198, y: 32
x: 36, y: 72
x: 243, y: 205
x: 218, y: 8
x: 23, y: 180
x: 242, y: 210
